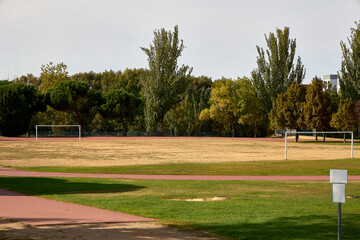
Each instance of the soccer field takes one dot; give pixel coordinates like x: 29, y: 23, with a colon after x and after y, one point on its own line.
x: 152, y: 150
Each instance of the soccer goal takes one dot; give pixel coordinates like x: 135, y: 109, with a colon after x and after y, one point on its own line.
x: 47, y: 126
x: 316, y: 133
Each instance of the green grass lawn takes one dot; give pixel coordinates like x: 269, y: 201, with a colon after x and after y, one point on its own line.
x: 285, y: 167
x: 256, y: 210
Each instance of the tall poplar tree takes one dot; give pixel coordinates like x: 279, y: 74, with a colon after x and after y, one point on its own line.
x: 276, y: 70
x: 350, y: 65
x: 165, y: 83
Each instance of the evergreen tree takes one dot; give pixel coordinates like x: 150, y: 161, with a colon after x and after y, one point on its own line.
x: 73, y: 97
x: 121, y: 105
x: 18, y: 103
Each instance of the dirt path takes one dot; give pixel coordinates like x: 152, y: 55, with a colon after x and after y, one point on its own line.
x: 10, y: 230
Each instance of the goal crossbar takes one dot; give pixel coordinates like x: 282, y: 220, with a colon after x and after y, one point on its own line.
x: 325, y: 132
x: 78, y: 126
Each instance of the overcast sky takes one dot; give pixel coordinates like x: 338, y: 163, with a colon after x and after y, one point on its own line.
x: 220, y: 35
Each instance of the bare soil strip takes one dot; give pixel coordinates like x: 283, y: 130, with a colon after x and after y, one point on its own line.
x: 11, y: 230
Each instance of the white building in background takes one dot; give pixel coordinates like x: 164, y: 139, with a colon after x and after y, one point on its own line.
x: 332, y: 80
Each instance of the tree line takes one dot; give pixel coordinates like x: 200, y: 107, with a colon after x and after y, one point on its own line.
x: 166, y: 98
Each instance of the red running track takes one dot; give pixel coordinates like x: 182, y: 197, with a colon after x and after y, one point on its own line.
x: 40, y: 211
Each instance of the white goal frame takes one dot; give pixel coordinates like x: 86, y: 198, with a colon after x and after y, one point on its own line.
x: 78, y: 126
x: 328, y: 132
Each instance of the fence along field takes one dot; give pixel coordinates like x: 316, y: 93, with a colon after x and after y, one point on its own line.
x: 139, y: 150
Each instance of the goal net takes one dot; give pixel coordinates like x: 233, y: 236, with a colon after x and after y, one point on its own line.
x: 315, y: 134
x: 47, y: 131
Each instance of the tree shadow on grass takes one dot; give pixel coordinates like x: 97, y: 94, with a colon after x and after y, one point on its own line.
x: 51, y: 186
x: 292, y: 228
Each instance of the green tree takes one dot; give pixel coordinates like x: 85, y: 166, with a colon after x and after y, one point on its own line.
x: 91, y: 78
x: 334, y: 98
x: 350, y: 65
x: 130, y: 81
x: 223, y: 100
x: 53, y: 117
x: 28, y: 79
x: 74, y: 97
x: 357, y: 109
x: 276, y: 70
x: 345, y: 119
x: 165, y: 83
x: 101, y: 124
x: 4, y: 83
x: 119, y: 104
x: 51, y: 75
x: 317, y: 108
x: 18, y: 103
x: 110, y: 80
x: 251, y: 110
x: 286, y: 112
x: 233, y: 102
x: 184, y: 117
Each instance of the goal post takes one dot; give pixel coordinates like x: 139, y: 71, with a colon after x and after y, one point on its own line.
x: 37, y: 126
x: 326, y: 132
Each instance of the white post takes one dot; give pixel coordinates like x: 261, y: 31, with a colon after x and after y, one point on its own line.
x: 285, y: 144
x: 36, y: 132
x: 79, y: 132
x: 352, y: 144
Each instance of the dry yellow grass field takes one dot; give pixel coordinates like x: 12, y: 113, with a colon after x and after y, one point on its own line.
x: 133, y: 151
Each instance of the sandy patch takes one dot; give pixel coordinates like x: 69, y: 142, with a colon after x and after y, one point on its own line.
x: 129, y: 231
